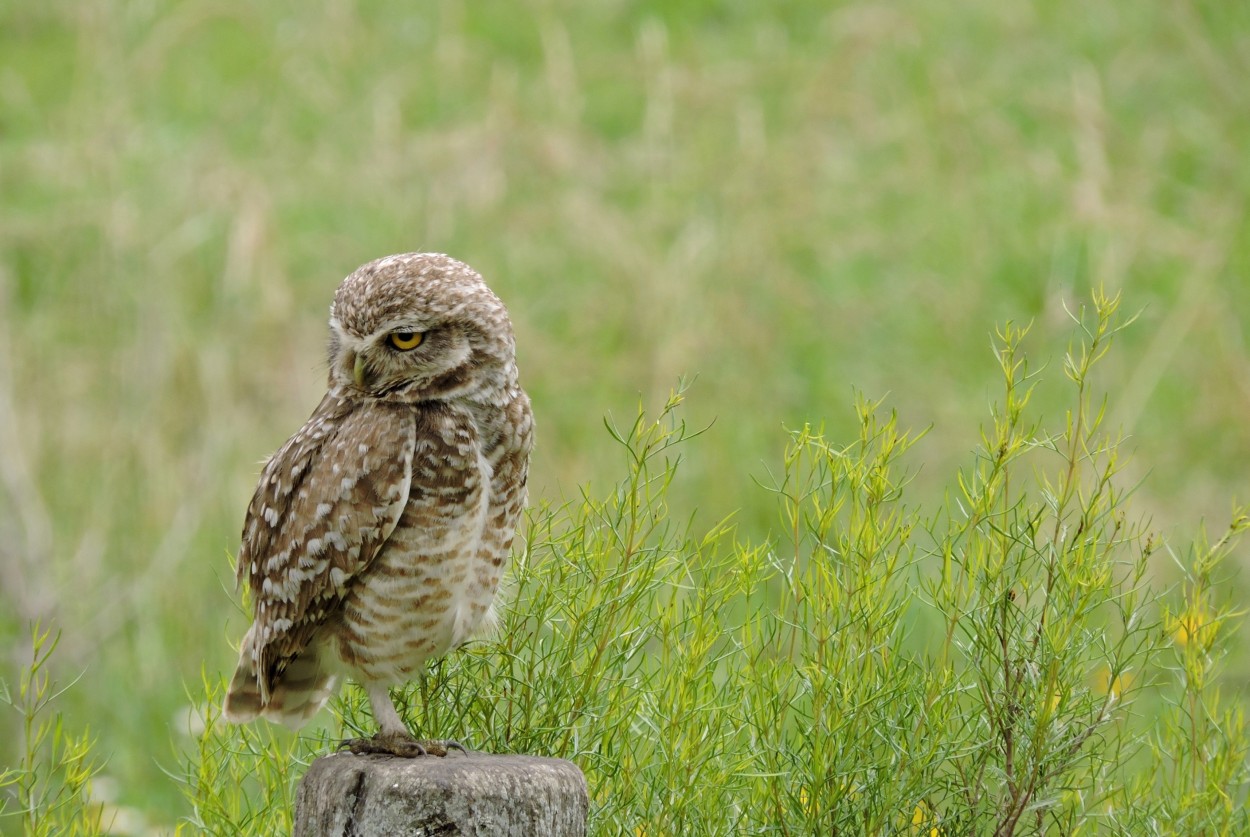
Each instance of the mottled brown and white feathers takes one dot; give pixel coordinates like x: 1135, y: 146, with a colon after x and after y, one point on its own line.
x: 379, y: 532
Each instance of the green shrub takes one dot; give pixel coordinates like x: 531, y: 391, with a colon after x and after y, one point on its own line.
x: 47, y: 792
x: 1004, y: 665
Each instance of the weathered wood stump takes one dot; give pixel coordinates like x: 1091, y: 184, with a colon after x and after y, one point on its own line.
x: 478, y: 793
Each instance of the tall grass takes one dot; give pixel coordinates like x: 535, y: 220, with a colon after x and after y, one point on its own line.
x: 779, y: 201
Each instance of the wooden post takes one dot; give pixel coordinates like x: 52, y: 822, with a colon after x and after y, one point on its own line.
x: 478, y: 793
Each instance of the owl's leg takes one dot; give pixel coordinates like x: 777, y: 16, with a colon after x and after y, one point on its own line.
x: 393, y: 737
x: 384, y: 713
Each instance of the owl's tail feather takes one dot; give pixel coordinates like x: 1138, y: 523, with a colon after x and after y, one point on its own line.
x: 298, y: 695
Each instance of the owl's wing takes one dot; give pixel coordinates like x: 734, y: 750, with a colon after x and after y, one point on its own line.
x: 326, y: 502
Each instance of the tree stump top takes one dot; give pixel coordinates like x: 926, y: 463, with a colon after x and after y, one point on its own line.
x: 474, y: 794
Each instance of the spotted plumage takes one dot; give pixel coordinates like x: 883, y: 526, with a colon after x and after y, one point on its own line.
x: 379, y: 532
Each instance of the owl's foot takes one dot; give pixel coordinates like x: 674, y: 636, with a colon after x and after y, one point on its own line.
x: 403, y: 746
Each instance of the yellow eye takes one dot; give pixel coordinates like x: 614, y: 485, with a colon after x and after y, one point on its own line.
x: 406, y: 340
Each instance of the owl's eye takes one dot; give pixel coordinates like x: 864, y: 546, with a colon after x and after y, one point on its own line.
x: 406, y: 340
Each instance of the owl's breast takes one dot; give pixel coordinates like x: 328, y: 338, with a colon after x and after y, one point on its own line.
x: 420, y: 596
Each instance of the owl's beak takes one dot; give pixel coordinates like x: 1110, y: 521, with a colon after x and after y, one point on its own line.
x: 358, y: 371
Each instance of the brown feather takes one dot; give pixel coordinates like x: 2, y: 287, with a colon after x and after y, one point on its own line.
x: 327, y: 501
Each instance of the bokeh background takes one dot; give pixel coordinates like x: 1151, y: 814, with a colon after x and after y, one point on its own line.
x: 785, y: 203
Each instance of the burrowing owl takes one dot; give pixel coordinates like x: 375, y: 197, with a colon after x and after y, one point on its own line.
x: 378, y: 532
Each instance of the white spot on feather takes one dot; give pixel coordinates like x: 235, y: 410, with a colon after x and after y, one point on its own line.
x: 277, y: 562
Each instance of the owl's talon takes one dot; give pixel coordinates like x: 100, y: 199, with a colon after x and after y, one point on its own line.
x: 400, y: 746
x: 441, y: 747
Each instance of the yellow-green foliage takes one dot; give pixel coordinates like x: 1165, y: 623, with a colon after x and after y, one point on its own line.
x: 1001, y: 666
x: 46, y: 793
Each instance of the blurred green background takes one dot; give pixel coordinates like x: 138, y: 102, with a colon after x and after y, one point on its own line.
x: 787, y: 202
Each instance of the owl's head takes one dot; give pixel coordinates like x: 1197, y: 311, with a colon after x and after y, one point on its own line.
x: 419, y: 327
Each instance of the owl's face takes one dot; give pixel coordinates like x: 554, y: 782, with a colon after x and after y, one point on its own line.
x: 418, y: 327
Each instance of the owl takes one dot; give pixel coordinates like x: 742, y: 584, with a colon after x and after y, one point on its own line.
x: 377, y: 536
